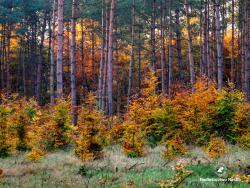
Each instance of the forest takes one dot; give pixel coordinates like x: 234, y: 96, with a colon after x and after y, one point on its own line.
x: 125, y: 93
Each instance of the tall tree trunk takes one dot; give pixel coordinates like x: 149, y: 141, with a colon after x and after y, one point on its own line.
x: 73, y: 63
x: 93, y: 56
x: 205, y: 34
x: 8, y: 86
x: 190, y: 47
x: 178, y: 43
x: 219, y: 45
x: 101, y: 71
x: 40, y: 62
x: 139, y: 60
x: 110, y: 60
x: 170, y: 53
x: 118, y: 81
x: 153, y: 17
x: 131, y: 64
x: 247, y: 56
x: 201, y: 41
x: 3, y: 49
x: 105, y: 67
x: 208, y: 41
x: 232, y: 55
x: 52, y: 57
x: 163, y: 54
x: 214, y: 47
x: 60, y: 50
x: 1, y: 59
x: 84, y: 81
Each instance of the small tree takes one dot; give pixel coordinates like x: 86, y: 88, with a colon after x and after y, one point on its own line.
x: 90, y: 133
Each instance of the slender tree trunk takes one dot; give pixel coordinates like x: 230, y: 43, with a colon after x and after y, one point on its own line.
x: 201, y: 41
x: 208, y: 41
x: 205, y: 33
x: 214, y: 47
x: 170, y: 53
x: 131, y: 64
x: 40, y: 62
x: 118, y: 81
x: 60, y: 50
x: 3, y: 48
x: 238, y: 59
x: 93, y: 56
x: 105, y: 67
x: 219, y: 45
x: 247, y: 56
x: 190, y: 48
x: 101, y: 71
x: 8, y: 86
x: 84, y: 81
x: 1, y: 55
x: 52, y: 57
x: 163, y: 54
x: 22, y: 51
x: 73, y: 63
x: 110, y: 60
x: 139, y: 61
x: 178, y: 43
x: 232, y: 55
x: 153, y: 63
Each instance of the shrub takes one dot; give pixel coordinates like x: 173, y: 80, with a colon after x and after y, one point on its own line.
x: 216, y: 148
x: 90, y: 133
x: 174, y: 148
x: 244, y: 140
x: 151, y: 112
x: 242, y: 125
x: 35, y: 155
x: 21, y: 120
x: 116, y: 133
x: 194, y: 112
x: 5, y: 147
x: 227, y: 102
x: 160, y: 122
x: 56, y: 130
x: 133, y: 144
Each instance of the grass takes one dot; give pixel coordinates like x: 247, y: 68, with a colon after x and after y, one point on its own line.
x: 63, y: 169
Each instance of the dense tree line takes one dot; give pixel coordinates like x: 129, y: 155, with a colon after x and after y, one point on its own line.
x: 53, y: 49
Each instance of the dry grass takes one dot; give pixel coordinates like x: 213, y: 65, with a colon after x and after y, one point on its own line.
x: 61, y: 168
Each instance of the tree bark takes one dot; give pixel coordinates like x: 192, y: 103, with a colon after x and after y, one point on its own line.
x: 8, y: 86
x: 60, y: 50
x: 131, y: 64
x: 190, y: 47
x: 40, y: 62
x: 178, y: 43
x: 232, y: 55
x: 52, y: 57
x: 170, y: 53
x: 219, y: 44
x: 163, y: 54
x: 101, y: 71
x: 110, y: 60
x: 73, y: 63
x: 153, y: 17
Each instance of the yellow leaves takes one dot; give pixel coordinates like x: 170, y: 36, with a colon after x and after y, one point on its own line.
x: 133, y: 144
x: 242, y: 118
x: 35, y: 155
x: 216, y: 147
x: 90, y: 132
x: 174, y: 148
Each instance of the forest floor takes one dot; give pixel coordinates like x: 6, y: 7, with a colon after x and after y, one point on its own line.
x: 63, y: 169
